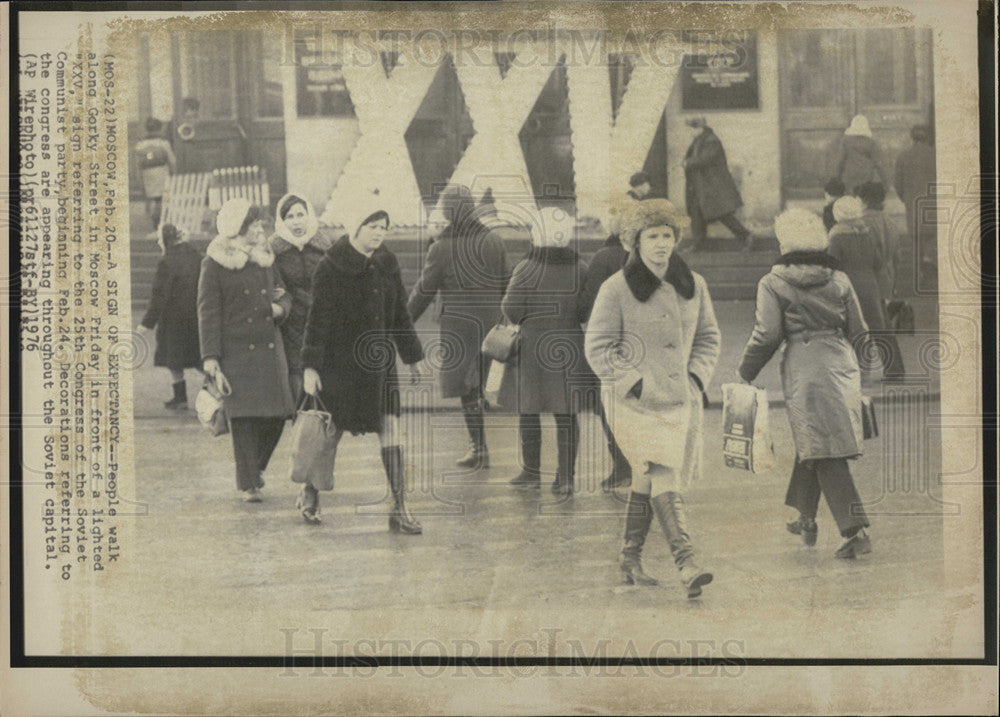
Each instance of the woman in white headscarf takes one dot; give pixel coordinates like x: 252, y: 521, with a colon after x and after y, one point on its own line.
x: 240, y: 304
x: 861, y: 159
x: 808, y: 305
x: 299, y: 243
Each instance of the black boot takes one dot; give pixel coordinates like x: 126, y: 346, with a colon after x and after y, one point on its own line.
x: 669, y: 508
x: 179, y: 402
x: 531, y: 458
x: 567, y: 438
x: 638, y: 517
x: 400, y: 521
x: 478, y: 456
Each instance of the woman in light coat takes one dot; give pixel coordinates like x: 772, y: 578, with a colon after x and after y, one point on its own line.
x: 551, y: 374
x: 810, y: 306
x: 653, y: 340
x: 240, y: 303
x: 298, y: 243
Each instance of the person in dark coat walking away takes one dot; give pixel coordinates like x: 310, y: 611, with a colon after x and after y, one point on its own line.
x: 298, y: 243
x: 551, y: 374
x: 832, y: 191
x: 467, y: 265
x: 240, y: 303
x: 809, y: 305
x: 608, y: 260
x: 860, y: 158
x: 883, y: 229
x: 173, y: 310
x: 356, y: 326
x: 916, y: 174
x: 710, y: 192
x: 859, y: 255
x: 653, y: 340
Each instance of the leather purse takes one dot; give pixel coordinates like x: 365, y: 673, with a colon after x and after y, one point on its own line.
x: 208, y: 404
x: 502, y: 342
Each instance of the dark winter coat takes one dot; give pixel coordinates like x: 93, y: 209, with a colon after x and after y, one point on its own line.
x: 608, y: 259
x: 708, y: 184
x: 468, y: 266
x: 883, y: 231
x: 916, y: 172
x: 173, y: 308
x: 356, y: 325
x: 551, y: 374
x: 858, y: 254
x: 237, y: 327
x: 296, y: 268
x: 860, y: 160
x: 812, y: 308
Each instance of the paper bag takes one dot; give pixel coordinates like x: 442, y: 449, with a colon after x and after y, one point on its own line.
x: 314, y: 446
x: 746, y: 439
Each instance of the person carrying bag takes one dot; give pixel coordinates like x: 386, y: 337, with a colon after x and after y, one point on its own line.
x: 314, y: 452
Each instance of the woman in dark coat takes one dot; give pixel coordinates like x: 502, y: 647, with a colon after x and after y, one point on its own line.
x: 859, y: 255
x: 356, y: 325
x: 467, y: 265
x: 240, y: 303
x: 654, y: 342
x: 551, y: 374
x: 810, y: 306
x: 860, y: 159
x: 299, y: 244
x: 710, y: 193
x: 173, y: 311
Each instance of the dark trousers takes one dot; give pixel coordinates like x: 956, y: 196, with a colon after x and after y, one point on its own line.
x: 832, y: 478
x: 699, y: 225
x: 567, y: 439
x: 254, y: 440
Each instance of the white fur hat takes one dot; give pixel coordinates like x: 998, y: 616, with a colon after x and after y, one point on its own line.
x: 556, y: 228
x: 799, y: 229
x: 847, y: 208
x: 231, y: 216
x: 859, y: 127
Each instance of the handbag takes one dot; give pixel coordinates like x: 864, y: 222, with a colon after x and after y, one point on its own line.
x: 314, y: 445
x: 502, y: 342
x: 208, y: 404
x: 869, y: 424
x: 746, y: 428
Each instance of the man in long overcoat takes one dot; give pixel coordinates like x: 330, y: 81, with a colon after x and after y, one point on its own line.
x: 710, y: 192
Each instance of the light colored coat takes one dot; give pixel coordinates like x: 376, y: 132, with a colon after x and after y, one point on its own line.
x: 663, y: 341
x: 814, y: 311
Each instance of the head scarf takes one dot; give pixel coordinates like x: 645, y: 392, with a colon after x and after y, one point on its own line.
x: 282, y: 230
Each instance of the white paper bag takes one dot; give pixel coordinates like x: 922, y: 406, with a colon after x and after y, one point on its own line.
x: 746, y: 430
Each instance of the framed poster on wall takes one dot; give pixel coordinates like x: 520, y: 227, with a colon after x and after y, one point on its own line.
x: 720, y: 71
x: 320, y: 89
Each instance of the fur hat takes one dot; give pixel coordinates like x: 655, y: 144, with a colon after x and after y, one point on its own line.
x: 859, y: 127
x: 650, y: 213
x: 848, y: 208
x: 799, y: 229
x: 616, y: 207
x: 231, y: 217
x: 555, y: 228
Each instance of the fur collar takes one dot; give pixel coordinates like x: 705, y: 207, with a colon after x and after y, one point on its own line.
x: 319, y: 241
x: 642, y: 282
x: 345, y: 259
x: 227, y: 253
x: 553, y: 255
x: 808, y: 258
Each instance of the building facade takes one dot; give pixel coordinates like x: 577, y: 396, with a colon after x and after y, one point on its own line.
x: 531, y: 117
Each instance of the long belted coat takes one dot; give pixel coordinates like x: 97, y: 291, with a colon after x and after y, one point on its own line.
x: 709, y: 187
x: 664, y: 334
x: 467, y: 264
x: 356, y: 325
x: 236, y: 326
x: 813, y: 310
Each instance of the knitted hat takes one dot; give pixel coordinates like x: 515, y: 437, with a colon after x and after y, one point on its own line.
x: 847, y: 208
x: 859, y: 127
x: 799, y: 229
x: 555, y: 228
x: 366, y: 205
x: 231, y: 217
x: 650, y: 213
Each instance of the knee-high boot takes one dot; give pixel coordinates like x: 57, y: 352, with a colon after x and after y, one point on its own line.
x: 638, y: 518
x: 669, y: 508
x: 400, y: 520
x: 477, y: 456
x: 179, y: 402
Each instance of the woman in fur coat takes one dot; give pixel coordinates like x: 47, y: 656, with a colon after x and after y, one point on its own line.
x: 240, y: 303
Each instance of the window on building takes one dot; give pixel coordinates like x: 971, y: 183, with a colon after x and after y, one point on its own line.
x: 265, y: 49
x: 209, y: 72
x: 890, y: 67
x: 319, y: 76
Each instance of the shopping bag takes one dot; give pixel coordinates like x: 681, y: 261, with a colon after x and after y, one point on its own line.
x: 502, y: 342
x: 493, y: 380
x: 746, y: 431
x: 314, y: 445
x: 869, y: 424
x: 208, y: 404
